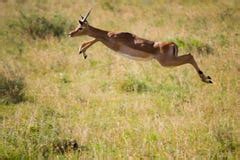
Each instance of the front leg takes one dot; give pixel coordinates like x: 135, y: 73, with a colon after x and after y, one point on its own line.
x: 81, y: 51
x: 85, y: 46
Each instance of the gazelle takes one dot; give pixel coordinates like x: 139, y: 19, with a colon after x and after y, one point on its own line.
x: 132, y: 46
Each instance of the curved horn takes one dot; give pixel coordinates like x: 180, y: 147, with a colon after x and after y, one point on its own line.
x: 85, y: 18
x: 81, y: 20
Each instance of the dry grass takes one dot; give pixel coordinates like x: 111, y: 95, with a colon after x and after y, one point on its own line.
x: 115, y: 108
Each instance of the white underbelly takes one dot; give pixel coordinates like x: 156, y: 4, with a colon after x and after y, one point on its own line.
x: 134, y: 54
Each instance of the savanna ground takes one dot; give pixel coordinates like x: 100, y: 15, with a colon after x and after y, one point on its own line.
x: 56, y: 105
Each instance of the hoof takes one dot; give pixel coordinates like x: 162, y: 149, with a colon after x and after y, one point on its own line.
x: 206, y: 79
x: 82, y: 51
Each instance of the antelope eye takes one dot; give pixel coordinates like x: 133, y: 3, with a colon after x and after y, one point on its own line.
x: 79, y: 28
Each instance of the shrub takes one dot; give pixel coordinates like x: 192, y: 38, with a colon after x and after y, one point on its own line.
x: 11, y: 86
x: 193, y: 45
x: 133, y: 84
x: 228, y: 143
x: 38, y: 26
x: 107, y: 6
x: 221, y: 40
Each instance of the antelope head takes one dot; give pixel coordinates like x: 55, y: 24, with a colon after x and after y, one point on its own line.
x: 82, y: 27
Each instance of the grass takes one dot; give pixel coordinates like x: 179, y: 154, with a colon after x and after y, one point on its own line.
x: 56, y: 105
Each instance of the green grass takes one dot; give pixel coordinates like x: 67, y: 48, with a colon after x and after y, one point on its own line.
x: 111, y: 107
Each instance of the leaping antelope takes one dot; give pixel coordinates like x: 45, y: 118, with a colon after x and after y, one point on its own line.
x: 132, y: 46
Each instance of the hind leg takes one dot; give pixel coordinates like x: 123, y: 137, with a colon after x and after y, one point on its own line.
x: 169, y: 58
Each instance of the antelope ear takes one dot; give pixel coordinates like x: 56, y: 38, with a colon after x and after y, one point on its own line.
x: 80, y: 22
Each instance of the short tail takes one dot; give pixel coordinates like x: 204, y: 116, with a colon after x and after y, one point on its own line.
x: 175, y: 49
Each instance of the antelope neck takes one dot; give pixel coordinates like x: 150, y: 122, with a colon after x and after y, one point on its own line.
x: 97, y: 33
